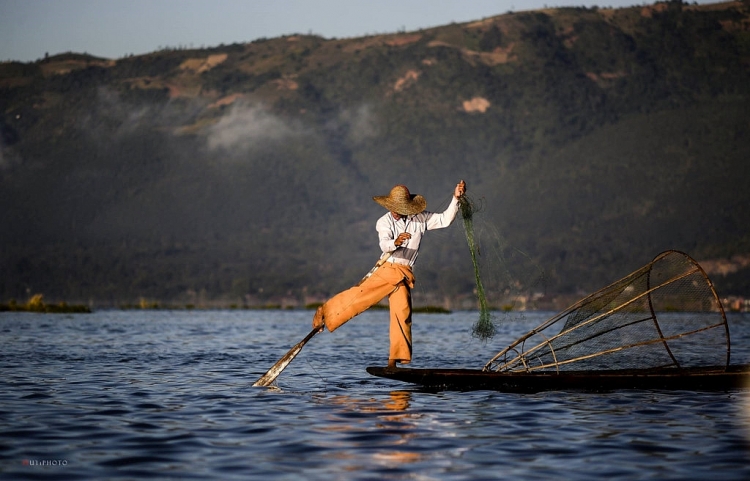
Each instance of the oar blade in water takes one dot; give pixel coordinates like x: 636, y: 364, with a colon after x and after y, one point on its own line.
x: 282, y: 363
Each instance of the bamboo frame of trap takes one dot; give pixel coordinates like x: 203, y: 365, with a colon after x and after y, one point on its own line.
x: 550, y: 354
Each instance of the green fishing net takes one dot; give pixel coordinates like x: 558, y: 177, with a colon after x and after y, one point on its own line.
x: 484, y: 328
x: 507, y: 279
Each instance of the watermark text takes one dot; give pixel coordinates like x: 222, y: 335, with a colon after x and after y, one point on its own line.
x: 45, y: 462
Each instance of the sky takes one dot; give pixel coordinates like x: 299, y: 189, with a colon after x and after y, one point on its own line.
x: 29, y: 29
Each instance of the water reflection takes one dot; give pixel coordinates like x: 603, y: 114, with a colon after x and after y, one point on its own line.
x: 399, y: 401
x: 381, y: 427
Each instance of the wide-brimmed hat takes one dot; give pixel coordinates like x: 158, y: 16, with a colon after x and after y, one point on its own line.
x: 401, y: 201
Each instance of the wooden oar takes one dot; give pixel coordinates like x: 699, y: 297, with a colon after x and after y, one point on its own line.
x: 380, y: 262
x: 276, y: 369
x: 269, y: 377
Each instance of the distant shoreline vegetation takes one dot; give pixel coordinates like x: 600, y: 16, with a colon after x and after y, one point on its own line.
x: 151, y: 305
x: 37, y: 304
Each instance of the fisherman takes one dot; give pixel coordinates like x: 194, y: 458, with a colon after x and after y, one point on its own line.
x: 400, y: 233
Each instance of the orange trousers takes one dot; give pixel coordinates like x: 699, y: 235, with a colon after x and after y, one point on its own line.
x: 392, y: 280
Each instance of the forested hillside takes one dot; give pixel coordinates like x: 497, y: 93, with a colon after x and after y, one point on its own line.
x: 592, y: 139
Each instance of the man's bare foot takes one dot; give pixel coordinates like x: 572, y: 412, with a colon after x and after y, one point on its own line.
x: 318, y: 319
x: 391, y: 363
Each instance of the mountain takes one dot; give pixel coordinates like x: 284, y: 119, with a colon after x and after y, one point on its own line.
x: 590, y: 140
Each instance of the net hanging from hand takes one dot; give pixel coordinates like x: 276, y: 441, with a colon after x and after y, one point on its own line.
x: 665, y: 315
x: 484, y: 328
x: 505, y: 277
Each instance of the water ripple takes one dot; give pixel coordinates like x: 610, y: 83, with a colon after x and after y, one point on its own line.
x: 167, y: 395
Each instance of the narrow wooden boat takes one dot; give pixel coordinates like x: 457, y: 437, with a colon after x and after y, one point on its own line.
x: 692, y: 379
x: 627, y: 335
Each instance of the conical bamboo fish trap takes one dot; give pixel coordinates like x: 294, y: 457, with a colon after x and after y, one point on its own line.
x: 665, y: 315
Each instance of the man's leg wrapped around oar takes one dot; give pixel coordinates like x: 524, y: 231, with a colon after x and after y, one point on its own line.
x: 391, y: 280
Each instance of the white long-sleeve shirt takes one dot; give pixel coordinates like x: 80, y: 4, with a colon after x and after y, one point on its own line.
x: 389, y: 228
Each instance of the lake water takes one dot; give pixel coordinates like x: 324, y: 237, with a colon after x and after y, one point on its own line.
x: 167, y: 395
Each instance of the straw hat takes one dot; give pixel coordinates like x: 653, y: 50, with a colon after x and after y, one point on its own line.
x: 401, y: 201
